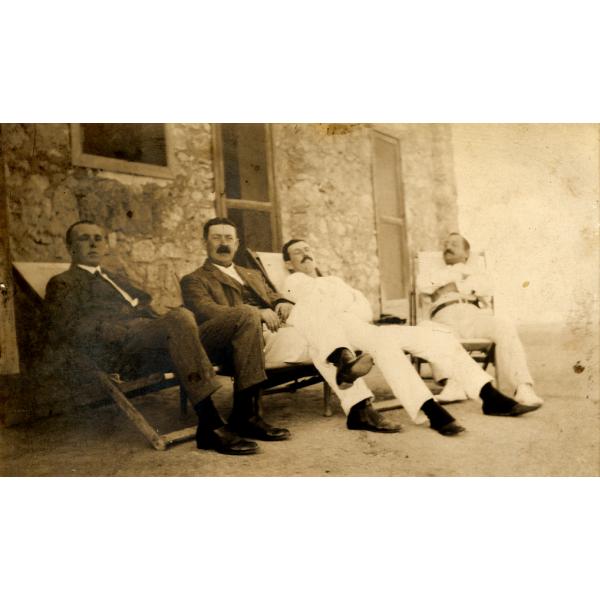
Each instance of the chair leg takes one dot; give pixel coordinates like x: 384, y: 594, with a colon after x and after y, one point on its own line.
x: 327, y: 406
x: 183, y: 402
x: 134, y: 415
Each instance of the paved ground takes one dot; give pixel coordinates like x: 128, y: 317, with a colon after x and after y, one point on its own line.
x: 563, y: 438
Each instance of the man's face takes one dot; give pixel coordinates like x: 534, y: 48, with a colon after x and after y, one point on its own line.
x: 454, y: 250
x: 221, y: 244
x: 301, y: 259
x: 88, y: 245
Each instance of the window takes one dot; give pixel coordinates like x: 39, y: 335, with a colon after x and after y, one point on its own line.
x: 136, y: 148
x: 244, y: 183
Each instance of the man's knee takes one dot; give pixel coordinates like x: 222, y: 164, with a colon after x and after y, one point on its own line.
x: 181, y: 317
x: 246, y: 315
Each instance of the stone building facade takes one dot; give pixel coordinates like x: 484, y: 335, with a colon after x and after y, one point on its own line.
x: 322, y: 179
x: 323, y: 182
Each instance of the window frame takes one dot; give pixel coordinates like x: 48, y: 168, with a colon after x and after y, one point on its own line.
x: 80, y: 158
x: 223, y: 203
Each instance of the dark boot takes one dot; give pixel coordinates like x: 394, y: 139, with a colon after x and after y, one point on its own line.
x: 498, y: 405
x: 440, y: 419
x: 246, y: 418
x: 213, y: 434
x: 364, y: 416
x: 349, y: 366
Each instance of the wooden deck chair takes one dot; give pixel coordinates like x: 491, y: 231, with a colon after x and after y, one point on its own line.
x: 481, y: 350
x: 272, y: 267
x: 33, y: 278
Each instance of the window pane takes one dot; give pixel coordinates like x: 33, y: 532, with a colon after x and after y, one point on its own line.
x: 135, y: 142
x: 245, y: 161
x: 254, y: 228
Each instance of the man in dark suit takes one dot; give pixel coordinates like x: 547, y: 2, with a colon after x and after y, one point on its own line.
x: 218, y: 290
x: 106, y: 318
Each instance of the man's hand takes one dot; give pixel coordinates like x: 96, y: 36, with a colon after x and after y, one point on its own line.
x: 445, y: 289
x: 283, y: 310
x: 270, y: 319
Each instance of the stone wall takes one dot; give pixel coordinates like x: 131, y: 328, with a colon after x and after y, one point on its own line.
x: 323, y: 181
x: 325, y: 190
x: 156, y: 222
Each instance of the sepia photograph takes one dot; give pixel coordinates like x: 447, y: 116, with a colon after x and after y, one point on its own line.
x: 312, y: 299
x: 299, y: 300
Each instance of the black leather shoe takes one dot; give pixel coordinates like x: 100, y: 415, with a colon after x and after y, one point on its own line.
x: 515, y: 410
x: 350, y: 369
x: 255, y: 428
x: 450, y: 429
x: 224, y: 441
x: 364, y: 416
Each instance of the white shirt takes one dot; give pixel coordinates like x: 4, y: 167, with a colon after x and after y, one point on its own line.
x: 330, y: 293
x: 93, y: 270
x: 470, y: 282
x: 230, y: 270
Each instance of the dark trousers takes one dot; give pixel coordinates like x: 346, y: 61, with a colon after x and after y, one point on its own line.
x: 235, y: 338
x: 176, y: 333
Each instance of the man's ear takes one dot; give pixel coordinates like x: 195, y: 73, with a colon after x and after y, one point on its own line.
x: 288, y: 266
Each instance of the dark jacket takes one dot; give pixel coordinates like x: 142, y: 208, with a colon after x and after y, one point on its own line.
x: 86, y: 315
x: 208, y: 292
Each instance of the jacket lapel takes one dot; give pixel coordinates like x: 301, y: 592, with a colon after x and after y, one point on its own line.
x: 221, y: 277
x: 252, y: 283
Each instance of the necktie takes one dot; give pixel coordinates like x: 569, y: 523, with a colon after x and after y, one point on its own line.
x: 133, y: 301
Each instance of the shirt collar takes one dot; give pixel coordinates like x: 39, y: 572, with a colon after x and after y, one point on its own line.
x: 89, y: 269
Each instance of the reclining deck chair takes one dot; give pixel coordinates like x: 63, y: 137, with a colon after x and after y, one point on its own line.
x: 482, y: 350
x: 32, y: 279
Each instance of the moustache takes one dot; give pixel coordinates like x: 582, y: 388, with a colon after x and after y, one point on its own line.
x: 448, y: 251
x: 223, y: 249
x: 307, y: 258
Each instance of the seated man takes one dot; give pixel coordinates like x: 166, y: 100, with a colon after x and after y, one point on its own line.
x: 219, y: 290
x: 106, y: 318
x: 328, y: 299
x: 456, y: 291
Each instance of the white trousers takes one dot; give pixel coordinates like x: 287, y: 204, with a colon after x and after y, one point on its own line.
x: 388, y: 344
x: 468, y: 321
x: 288, y: 345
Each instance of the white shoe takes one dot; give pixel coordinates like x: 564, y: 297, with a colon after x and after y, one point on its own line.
x: 452, y: 392
x: 525, y: 395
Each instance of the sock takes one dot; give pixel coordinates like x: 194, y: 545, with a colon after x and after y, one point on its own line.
x: 208, y: 416
x: 493, y: 398
x: 438, y: 416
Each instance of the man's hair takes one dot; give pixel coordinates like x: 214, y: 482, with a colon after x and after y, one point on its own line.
x: 217, y: 221
x: 285, y: 249
x: 465, y: 242
x: 69, y: 233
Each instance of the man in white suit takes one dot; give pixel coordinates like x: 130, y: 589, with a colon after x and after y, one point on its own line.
x: 329, y: 300
x: 456, y: 291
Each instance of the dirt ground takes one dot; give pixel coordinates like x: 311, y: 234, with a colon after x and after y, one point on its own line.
x: 561, y: 439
